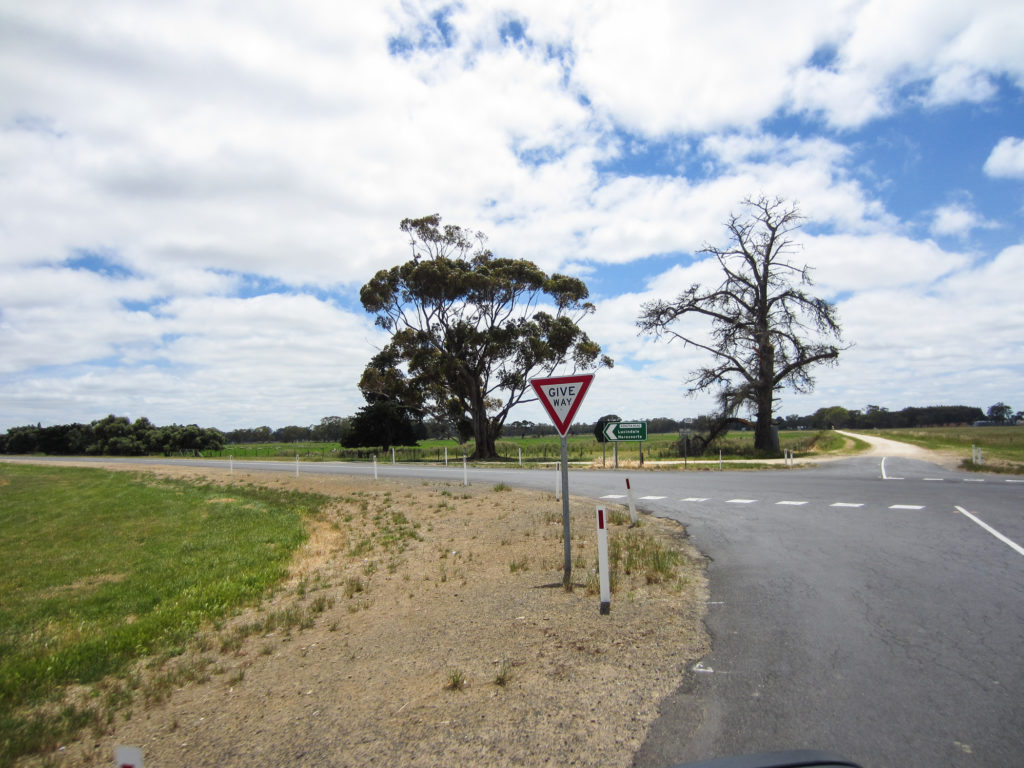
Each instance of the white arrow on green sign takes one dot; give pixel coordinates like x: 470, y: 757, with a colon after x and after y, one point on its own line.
x: 625, y: 431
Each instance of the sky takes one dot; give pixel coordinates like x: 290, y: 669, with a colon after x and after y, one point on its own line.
x: 193, y: 193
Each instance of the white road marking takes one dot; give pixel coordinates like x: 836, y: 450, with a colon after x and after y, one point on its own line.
x: 935, y: 479
x: 699, y: 667
x: 845, y: 504
x: 1017, y: 547
x: 1015, y: 481
x: 905, y: 506
x: 790, y: 503
x: 614, y: 496
x: 694, y: 498
x: 652, y: 498
x: 741, y: 501
x: 974, y: 480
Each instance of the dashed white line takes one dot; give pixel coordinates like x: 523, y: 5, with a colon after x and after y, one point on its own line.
x: 974, y: 480
x: 934, y: 479
x: 741, y: 501
x: 790, y: 503
x: 694, y: 498
x: 1015, y: 481
x: 614, y: 496
x: 846, y: 504
x: 905, y: 506
x: 1009, y: 542
x: 652, y: 498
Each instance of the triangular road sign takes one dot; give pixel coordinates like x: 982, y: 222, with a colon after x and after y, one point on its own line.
x: 561, y: 397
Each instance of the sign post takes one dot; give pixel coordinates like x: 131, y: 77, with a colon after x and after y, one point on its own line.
x: 561, y: 397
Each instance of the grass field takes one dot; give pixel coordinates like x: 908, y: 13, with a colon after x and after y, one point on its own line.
x: 1002, y: 447
x: 735, y: 445
x: 101, y: 569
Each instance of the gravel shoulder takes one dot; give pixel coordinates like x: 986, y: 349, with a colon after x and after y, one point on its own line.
x: 435, y: 632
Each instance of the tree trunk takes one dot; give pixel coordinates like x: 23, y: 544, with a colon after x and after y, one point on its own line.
x: 766, y: 437
x: 483, y: 436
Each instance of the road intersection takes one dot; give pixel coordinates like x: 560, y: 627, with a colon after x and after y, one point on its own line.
x: 873, y: 611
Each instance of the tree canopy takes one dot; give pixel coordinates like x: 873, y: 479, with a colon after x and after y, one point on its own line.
x: 767, y: 332
x: 469, y: 330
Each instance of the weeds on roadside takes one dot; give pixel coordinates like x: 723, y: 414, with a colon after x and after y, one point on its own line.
x: 455, y: 679
x: 504, y: 674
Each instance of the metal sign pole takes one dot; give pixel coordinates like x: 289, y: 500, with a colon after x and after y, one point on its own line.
x: 566, y: 534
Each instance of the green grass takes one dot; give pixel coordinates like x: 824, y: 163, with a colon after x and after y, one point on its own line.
x: 104, y: 568
x: 544, y: 449
x: 1002, y: 447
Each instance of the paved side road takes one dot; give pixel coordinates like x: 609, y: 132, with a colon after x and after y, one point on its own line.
x: 868, y: 617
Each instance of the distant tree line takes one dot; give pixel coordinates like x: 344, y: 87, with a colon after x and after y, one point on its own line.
x: 111, y: 436
x: 877, y: 417
x: 380, y: 425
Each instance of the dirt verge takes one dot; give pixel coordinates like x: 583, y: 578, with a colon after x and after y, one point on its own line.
x: 431, y: 629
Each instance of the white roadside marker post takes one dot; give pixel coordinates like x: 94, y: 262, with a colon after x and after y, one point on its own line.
x: 558, y: 480
x: 465, y: 472
x: 632, y: 504
x: 127, y: 757
x: 296, y: 465
x: 231, y: 466
x: 392, y: 455
x: 375, y: 466
x: 520, y: 457
x: 602, y: 563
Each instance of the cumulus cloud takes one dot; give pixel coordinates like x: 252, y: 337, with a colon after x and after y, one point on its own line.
x: 212, y: 154
x: 1007, y: 159
x: 957, y: 219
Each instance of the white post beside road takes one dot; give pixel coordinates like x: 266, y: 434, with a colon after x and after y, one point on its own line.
x: 392, y: 455
x: 127, y: 757
x: 375, y: 466
x: 602, y: 563
x: 465, y: 472
x: 520, y: 456
x: 296, y: 465
x: 231, y: 466
x: 632, y: 504
x: 446, y: 455
x: 558, y: 480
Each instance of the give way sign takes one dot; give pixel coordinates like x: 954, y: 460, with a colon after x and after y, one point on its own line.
x: 561, y: 397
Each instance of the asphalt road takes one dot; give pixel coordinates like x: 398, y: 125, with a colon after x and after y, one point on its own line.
x: 865, y: 616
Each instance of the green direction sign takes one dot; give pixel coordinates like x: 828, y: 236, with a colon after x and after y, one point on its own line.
x: 625, y: 430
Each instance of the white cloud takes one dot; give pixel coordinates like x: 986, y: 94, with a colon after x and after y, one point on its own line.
x: 958, y: 220
x: 203, y: 149
x: 1006, y: 159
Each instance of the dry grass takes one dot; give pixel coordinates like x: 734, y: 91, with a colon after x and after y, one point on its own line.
x: 405, y: 636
